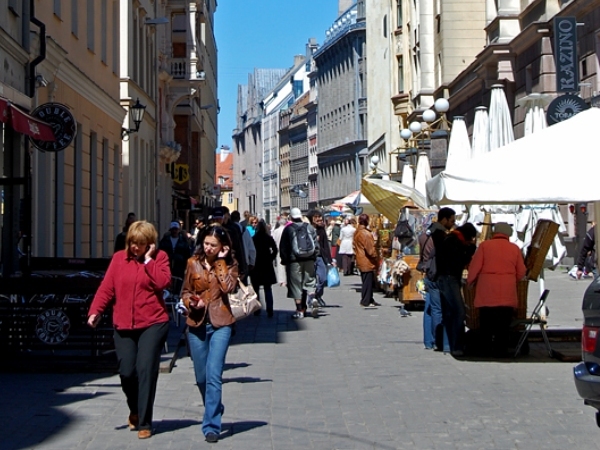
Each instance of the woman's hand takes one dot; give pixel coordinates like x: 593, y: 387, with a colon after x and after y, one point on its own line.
x: 224, y: 251
x: 93, y: 320
x: 196, y: 302
x: 150, y: 252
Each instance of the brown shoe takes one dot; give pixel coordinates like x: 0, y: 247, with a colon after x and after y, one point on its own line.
x: 133, y: 421
x: 144, y: 434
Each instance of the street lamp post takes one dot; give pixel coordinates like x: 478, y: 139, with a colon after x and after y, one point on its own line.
x: 414, y: 137
x: 137, y: 115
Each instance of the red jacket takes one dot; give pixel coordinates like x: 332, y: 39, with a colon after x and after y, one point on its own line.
x: 496, y: 266
x: 135, y: 291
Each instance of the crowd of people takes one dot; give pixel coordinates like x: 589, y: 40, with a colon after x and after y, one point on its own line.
x: 223, y: 250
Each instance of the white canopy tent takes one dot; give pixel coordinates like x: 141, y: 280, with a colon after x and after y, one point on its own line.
x: 549, y: 166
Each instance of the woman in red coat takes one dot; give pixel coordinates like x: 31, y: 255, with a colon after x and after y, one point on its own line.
x: 496, y: 267
x: 133, y: 285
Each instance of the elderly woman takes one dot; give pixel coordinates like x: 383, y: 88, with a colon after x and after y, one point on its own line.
x: 133, y: 286
x: 496, y: 267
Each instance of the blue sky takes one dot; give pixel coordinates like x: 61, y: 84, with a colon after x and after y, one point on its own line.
x: 264, y: 34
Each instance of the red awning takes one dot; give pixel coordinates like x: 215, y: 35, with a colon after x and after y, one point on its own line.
x: 23, y: 123
x: 3, y: 110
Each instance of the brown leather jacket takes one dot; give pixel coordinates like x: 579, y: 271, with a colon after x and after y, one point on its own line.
x: 364, y: 250
x: 212, y: 286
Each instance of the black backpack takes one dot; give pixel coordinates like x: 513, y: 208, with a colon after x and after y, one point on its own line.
x: 403, y: 230
x: 303, y: 244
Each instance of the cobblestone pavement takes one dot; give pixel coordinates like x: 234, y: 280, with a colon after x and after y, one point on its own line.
x: 350, y: 379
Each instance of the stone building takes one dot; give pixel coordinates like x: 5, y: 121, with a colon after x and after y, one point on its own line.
x: 248, y: 139
x: 341, y: 77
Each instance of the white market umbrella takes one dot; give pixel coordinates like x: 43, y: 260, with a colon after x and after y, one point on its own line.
x: 535, y: 116
x: 501, y: 127
x: 459, y: 148
x: 408, y: 177
x: 423, y: 173
x: 481, y: 132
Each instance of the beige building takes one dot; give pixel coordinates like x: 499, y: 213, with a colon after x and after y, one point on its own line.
x: 76, y: 191
x: 416, y: 49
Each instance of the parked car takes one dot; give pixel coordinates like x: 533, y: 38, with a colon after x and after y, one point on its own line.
x: 587, y: 373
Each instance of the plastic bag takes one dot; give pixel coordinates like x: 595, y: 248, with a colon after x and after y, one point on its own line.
x: 333, y: 277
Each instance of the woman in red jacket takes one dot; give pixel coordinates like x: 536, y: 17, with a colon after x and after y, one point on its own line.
x: 496, y: 267
x: 133, y: 286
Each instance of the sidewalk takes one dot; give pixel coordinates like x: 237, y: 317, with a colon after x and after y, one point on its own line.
x: 350, y: 379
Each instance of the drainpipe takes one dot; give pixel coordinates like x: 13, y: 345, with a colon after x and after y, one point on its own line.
x: 27, y: 213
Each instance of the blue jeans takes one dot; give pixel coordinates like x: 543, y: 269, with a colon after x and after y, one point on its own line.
x: 208, y: 348
x: 433, y: 329
x: 453, y: 311
x: 321, y: 273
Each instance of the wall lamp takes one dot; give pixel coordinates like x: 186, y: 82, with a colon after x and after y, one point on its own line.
x: 136, y: 113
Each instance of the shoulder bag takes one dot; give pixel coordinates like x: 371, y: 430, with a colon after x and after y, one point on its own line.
x: 244, y: 302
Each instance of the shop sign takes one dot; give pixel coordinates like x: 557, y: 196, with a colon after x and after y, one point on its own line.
x: 181, y: 173
x: 63, y: 125
x: 564, y: 107
x: 565, y: 52
x: 52, y: 326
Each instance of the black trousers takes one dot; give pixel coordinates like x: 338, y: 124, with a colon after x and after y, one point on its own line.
x: 494, y: 326
x: 138, y: 353
x: 366, y: 290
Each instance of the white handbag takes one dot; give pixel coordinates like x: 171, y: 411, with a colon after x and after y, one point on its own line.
x: 244, y: 302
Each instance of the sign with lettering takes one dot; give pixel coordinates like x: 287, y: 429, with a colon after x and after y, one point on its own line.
x: 63, y: 126
x: 565, y: 53
x: 564, y: 107
x: 52, y: 326
x: 181, y: 173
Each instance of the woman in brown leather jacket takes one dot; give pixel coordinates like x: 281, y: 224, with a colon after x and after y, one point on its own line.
x: 211, y: 274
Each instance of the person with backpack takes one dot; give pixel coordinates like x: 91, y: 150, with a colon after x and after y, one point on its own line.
x: 298, y: 251
x: 324, y: 259
x: 434, y: 333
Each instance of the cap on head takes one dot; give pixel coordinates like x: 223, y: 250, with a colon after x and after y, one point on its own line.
x: 295, y: 213
x: 218, y: 213
x: 503, y: 228
x: 173, y: 225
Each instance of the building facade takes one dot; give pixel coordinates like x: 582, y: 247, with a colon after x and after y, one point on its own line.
x: 223, y: 188
x: 248, y: 138
x: 341, y: 77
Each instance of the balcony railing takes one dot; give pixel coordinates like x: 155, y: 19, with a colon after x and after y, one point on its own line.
x: 179, y: 68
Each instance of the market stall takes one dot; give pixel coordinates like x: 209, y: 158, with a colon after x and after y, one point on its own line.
x: 397, y: 273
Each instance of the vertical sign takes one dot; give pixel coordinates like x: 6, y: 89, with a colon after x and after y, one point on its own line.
x: 565, y: 51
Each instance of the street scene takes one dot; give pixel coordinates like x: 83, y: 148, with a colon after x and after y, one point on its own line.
x: 350, y: 379
x: 326, y: 224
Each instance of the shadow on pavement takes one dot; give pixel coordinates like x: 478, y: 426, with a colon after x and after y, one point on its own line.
x: 265, y: 330
x: 244, y: 380
x: 170, y: 425
x: 231, y: 366
x: 240, y: 427
x: 30, y: 406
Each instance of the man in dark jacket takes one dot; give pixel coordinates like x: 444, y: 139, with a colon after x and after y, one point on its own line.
x: 177, y: 247
x: 434, y: 333
x: 452, y: 257
x: 324, y: 259
x: 300, y: 272
x: 586, y: 261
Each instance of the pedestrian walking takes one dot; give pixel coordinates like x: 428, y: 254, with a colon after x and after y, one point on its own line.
x: 133, y: 286
x: 346, y: 249
x: 299, y: 250
x: 282, y: 222
x: 249, y: 249
x: 263, y: 273
x: 222, y: 217
x: 324, y: 259
x: 496, y: 268
x: 586, y: 260
x: 199, y: 225
x: 452, y: 257
x: 121, y: 237
x: 177, y: 247
x: 211, y: 274
x: 366, y: 259
x: 435, y: 335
